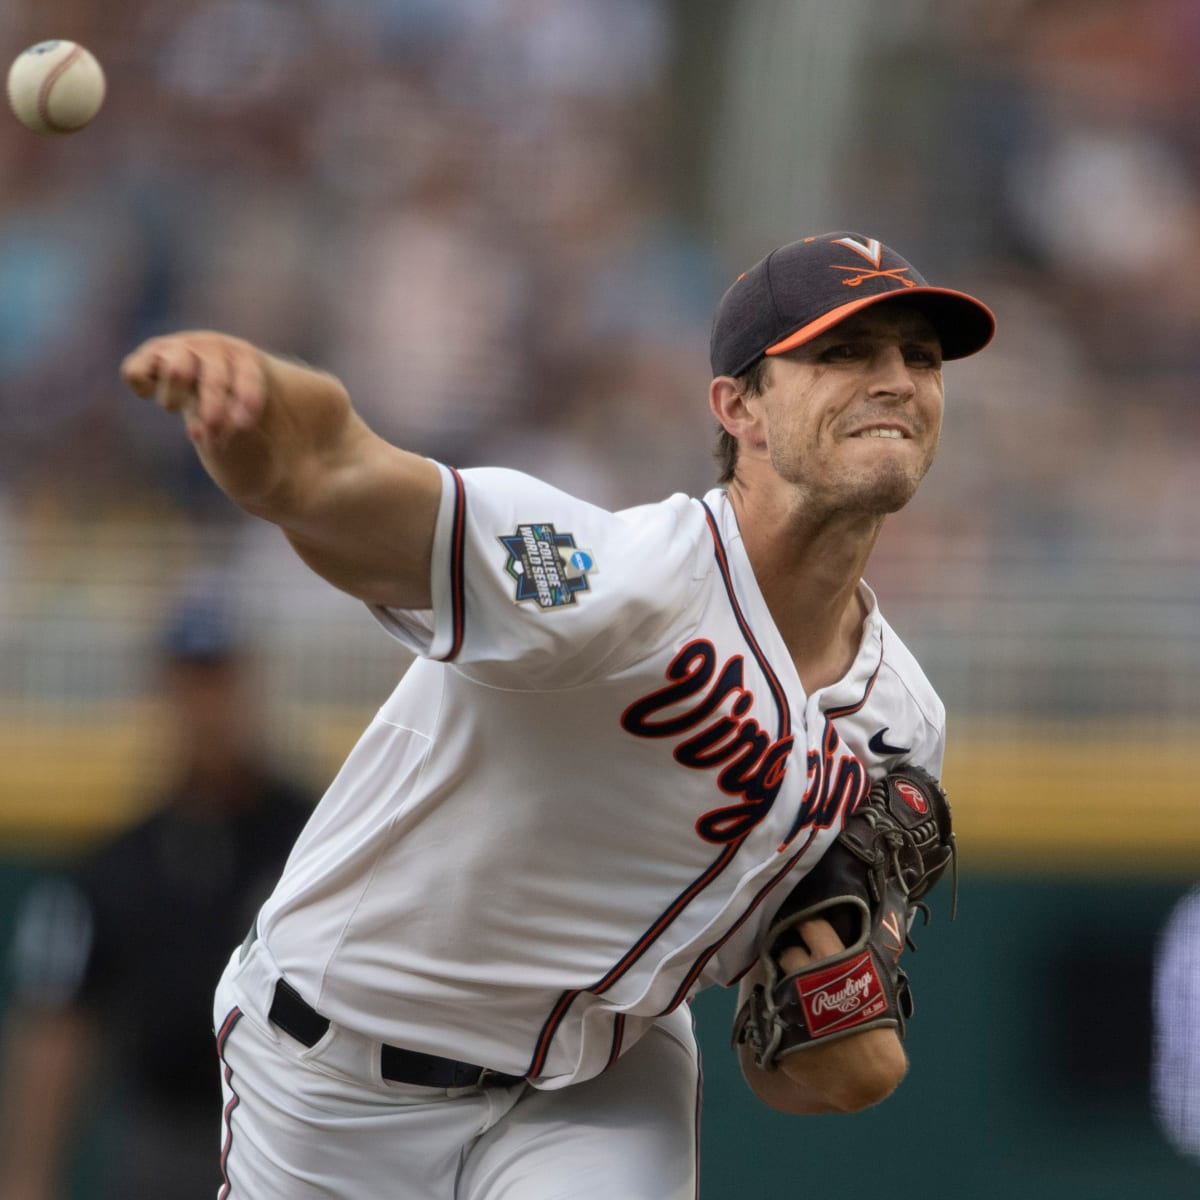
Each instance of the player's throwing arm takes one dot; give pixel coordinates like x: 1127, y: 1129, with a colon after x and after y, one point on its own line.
x: 283, y: 441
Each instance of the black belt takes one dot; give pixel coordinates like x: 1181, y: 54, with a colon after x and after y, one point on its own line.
x: 294, y: 1015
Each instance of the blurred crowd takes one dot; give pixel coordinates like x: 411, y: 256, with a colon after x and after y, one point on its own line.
x: 505, y: 224
x: 459, y: 206
x: 1050, y: 144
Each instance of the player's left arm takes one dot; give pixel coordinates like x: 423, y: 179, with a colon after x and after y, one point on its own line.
x: 845, y: 1075
x: 825, y: 1012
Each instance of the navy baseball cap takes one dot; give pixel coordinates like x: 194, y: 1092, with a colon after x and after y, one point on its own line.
x: 804, y: 288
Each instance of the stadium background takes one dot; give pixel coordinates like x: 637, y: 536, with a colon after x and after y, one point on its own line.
x: 505, y: 224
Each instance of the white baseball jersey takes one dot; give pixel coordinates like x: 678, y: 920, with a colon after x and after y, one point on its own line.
x: 589, y: 794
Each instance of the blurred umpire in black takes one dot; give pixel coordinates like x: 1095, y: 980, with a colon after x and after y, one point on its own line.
x: 114, y: 958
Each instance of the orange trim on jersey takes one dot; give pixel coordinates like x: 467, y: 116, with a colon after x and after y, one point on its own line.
x: 813, y: 329
x: 846, y: 709
x: 701, y: 962
x: 631, y: 956
x: 617, y: 1039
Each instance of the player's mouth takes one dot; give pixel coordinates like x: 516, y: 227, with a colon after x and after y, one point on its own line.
x: 881, y: 431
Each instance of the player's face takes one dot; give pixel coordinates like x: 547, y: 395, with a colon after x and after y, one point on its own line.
x: 853, y: 417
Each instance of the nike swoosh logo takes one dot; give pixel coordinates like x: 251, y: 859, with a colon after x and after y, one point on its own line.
x: 880, y: 747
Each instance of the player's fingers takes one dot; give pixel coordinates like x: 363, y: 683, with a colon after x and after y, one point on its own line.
x: 247, y: 385
x: 136, y: 372
x: 175, y: 377
x: 139, y: 368
x: 820, y: 941
x: 820, y: 937
x: 212, y: 380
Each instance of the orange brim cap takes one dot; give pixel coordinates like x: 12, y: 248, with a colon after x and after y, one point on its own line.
x: 800, y: 291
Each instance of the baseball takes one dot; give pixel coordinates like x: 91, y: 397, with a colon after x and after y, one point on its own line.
x: 55, y: 87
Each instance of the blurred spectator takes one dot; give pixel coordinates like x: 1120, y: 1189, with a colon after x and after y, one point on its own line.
x: 115, y: 957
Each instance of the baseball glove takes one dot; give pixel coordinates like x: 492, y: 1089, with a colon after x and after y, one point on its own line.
x: 869, y: 885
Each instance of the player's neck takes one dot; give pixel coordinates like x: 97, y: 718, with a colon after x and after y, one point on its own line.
x: 809, y: 572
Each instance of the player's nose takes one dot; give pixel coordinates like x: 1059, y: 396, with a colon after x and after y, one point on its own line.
x: 891, y: 374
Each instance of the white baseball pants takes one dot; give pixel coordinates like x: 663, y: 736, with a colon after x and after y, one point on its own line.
x: 303, y: 1124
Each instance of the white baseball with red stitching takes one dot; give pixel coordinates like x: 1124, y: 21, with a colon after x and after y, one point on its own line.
x: 56, y: 87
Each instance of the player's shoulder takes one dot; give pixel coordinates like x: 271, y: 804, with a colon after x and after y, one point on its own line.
x: 500, y: 483
x: 662, y: 531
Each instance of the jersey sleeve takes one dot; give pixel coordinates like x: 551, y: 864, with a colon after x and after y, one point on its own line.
x: 535, y: 588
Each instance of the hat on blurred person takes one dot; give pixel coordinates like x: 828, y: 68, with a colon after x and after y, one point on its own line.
x: 200, y: 630
x: 804, y: 288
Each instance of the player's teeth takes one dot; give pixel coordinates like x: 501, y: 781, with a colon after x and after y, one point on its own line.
x: 887, y: 433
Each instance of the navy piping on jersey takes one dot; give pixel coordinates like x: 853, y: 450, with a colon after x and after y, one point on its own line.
x: 457, y: 570
x: 846, y: 709
x: 832, y: 715
x: 631, y: 956
x: 651, y: 935
x: 706, y: 954
x: 617, y: 1038
x: 227, y: 1028
x: 699, y: 965
x: 781, y: 702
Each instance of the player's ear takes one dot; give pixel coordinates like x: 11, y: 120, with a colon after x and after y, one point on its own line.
x: 736, y: 410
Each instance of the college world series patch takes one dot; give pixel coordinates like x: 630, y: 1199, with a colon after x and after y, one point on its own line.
x: 548, y: 567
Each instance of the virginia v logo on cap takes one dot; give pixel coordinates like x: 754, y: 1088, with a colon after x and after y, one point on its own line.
x: 804, y: 288
x: 872, y: 251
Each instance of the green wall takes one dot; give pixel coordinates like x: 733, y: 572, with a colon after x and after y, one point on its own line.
x: 1029, y: 1047
x: 1029, y: 1076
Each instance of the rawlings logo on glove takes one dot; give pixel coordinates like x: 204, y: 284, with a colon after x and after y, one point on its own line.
x: 869, y: 886
x: 843, y: 995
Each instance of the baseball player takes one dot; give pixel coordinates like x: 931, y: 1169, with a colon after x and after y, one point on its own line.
x: 626, y: 738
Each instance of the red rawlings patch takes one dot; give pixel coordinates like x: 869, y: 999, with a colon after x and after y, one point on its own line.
x: 912, y: 796
x: 841, y: 996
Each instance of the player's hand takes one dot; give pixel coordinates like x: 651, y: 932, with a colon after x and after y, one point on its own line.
x: 820, y: 941
x: 854, y: 1071
x: 218, y: 384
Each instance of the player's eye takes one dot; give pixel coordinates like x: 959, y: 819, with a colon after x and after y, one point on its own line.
x: 841, y: 352
x: 924, y: 356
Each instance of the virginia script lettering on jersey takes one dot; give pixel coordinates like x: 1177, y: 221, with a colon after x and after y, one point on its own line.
x: 750, y: 762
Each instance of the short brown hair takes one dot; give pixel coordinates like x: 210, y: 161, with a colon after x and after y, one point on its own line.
x: 751, y: 382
